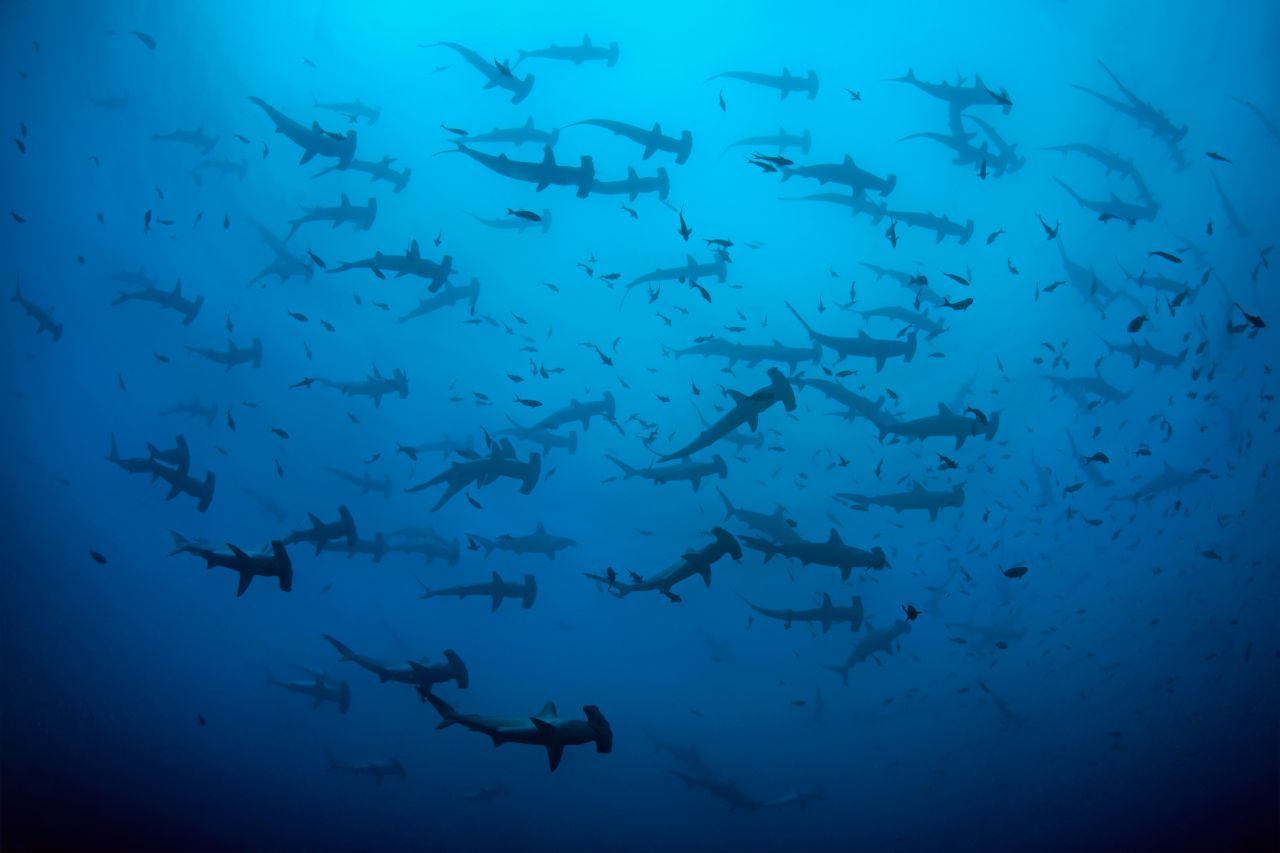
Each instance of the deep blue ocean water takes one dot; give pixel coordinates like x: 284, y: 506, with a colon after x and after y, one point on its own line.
x: 1121, y: 694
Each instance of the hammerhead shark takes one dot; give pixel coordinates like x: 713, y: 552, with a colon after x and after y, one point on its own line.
x: 882, y: 641
x: 918, y: 497
x: 171, y: 299
x: 483, y: 470
x: 541, y: 174
x: 364, y: 482
x: 516, y: 223
x: 194, y: 408
x: 496, y: 590
x: 345, y: 213
x: 941, y: 226
x: 415, y: 672
x: 746, y: 410
x: 1144, y: 352
x: 846, y: 173
x: 916, y: 284
x: 774, y: 525
x: 785, y: 83
x: 606, y: 407
x: 430, y: 545
x: 321, y: 688
x: 410, y: 263
x: 1114, y: 207
x: 856, y: 405
x: 545, y: 728
x: 275, y: 564
x: 692, y: 562
x: 721, y: 789
x: 688, y: 470
x: 945, y: 424
x: 826, y: 615
x: 651, y: 140
x: 233, y: 354
x: 1142, y: 112
x: 781, y: 140
x: 863, y: 345
x: 752, y: 354
x: 537, y: 542
x: 43, y: 317
x: 353, y: 110
x: 920, y: 320
x: 659, y: 184
x: 832, y: 553
x: 195, y: 138
x: 313, y: 140
x: 1084, y: 390
x: 284, y: 263
x: 499, y: 76
x: 378, y: 770
x: 548, y: 439
x: 576, y: 53
x: 448, y: 295
x: 958, y: 96
x: 375, y: 386
x: 518, y: 136
x: 1169, y: 479
x: 377, y: 171
x: 690, y: 272
x: 321, y: 533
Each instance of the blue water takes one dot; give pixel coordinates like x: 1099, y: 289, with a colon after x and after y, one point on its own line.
x: 1122, y: 694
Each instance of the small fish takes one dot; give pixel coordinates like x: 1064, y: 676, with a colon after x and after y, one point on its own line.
x: 457, y: 131
x: 475, y: 503
x: 1136, y: 323
x: 1014, y: 573
x: 911, y: 612
x: 1214, y: 155
x: 527, y: 215
x: 633, y: 214
x: 144, y: 38
x: 301, y: 318
x: 98, y: 558
x: 1168, y: 256
x: 315, y: 259
x: 991, y: 238
x: 962, y: 305
x: 1098, y: 457
x: 532, y: 404
x: 279, y: 432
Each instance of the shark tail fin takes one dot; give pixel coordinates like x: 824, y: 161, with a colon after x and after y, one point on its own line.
x: 728, y: 505
x: 448, y: 716
x: 343, y: 648
x: 458, y: 669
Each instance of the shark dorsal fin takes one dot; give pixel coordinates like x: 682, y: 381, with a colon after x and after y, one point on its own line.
x: 529, y: 123
x: 944, y: 410
x: 848, y: 161
x: 346, y: 202
x: 237, y: 551
x: 414, y: 251
x: 548, y: 156
x: 738, y: 397
x: 540, y: 528
x: 826, y: 601
x: 834, y: 538
x: 496, y: 579
x: 631, y: 174
x: 548, y: 710
x: 315, y: 522
x: 586, y: 41
x: 690, y: 261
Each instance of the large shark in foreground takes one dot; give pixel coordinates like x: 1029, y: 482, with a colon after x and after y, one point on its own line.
x: 483, y: 470
x: 275, y: 564
x: 314, y: 140
x: 746, y: 411
x: 495, y: 75
x: 545, y: 728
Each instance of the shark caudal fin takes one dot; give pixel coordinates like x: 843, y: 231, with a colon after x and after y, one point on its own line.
x: 627, y: 470
x: 529, y: 593
x: 457, y: 669
x: 728, y: 505
x: 448, y: 716
x: 342, y: 648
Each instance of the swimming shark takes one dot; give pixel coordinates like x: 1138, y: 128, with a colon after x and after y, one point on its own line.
x: 180, y: 482
x: 448, y: 295
x: 688, y: 470
x: 1005, y: 159
x: 941, y: 226
x: 721, y: 789
x: 518, y: 136
x: 364, y: 482
x: 222, y: 167
x: 846, y: 172
x: 275, y: 564
x: 43, y: 317
x: 1086, y: 282
x: 195, y: 409
x: 1093, y: 472
x: 774, y: 525
x: 195, y: 138
x: 696, y: 561
x: 919, y: 320
x: 410, y: 263
x: 486, y: 792
x: 483, y: 470
x: 1145, y: 353
x: 958, y: 96
x: 752, y: 354
x: 634, y: 185
x: 606, y: 407
x: 826, y: 615
x: 1109, y: 160
x: 345, y: 213
x: 1169, y: 479
x: 494, y: 74
x: 575, y: 53
x: 1085, y: 390
x: 862, y: 346
x: 547, y: 439
x: 171, y: 299
x: 1233, y: 217
x: 321, y: 688
x: 415, y: 672
x: 233, y: 354
x: 179, y: 457
x: 1009, y: 718
x: 781, y: 140
x: 377, y: 171
x: 916, y: 283
x: 833, y: 553
x: 377, y: 770
x: 746, y: 411
x: 918, y: 497
x: 875, y: 642
x: 313, y: 140
x: 321, y: 533
x: 284, y: 264
x: 945, y: 424
x: 430, y: 545
x: 1114, y: 207
x: 651, y: 140
x: 685, y: 755
x: 374, y: 385
x: 541, y: 174
x: 545, y: 728
x: 497, y: 590
x: 537, y: 542
x: 690, y: 272
x: 785, y: 83
x: 856, y: 202
x: 1144, y: 113
x: 375, y: 547
x: 353, y: 110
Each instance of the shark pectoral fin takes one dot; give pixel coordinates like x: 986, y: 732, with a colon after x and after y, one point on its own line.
x: 497, y: 600
x: 696, y: 482
x: 306, y: 156
x: 542, y: 185
x: 245, y: 579
x: 555, y: 748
